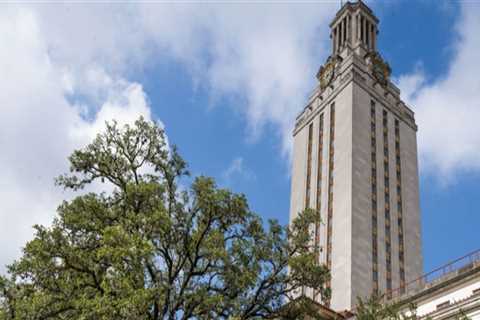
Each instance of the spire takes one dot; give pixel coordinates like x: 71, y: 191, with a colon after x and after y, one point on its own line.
x: 354, y: 27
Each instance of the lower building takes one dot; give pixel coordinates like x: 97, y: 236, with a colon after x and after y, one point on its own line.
x: 449, y: 292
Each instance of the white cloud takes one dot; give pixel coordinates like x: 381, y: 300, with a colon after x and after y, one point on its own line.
x: 448, y: 110
x: 237, y: 170
x: 39, y: 126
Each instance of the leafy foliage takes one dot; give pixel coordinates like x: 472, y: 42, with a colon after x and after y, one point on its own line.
x: 153, y: 248
x: 374, y: 308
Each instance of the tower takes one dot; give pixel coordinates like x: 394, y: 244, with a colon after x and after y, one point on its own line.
x: 355, y: 162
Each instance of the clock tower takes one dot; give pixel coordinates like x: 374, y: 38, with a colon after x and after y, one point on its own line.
x: 355, y: 162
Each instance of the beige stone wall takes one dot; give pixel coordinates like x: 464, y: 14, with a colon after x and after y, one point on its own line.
x: 342, y: 202
x: 361, y: 195
x: 412, y: 224
x: 299, y: 165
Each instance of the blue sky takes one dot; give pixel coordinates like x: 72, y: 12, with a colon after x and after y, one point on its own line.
x: 226, y: 81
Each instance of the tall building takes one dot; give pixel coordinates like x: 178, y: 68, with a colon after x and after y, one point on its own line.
x: 355, y: 161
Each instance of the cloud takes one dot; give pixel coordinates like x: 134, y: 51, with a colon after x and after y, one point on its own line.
x: 237, y: 170
x: 43, y: 120
x: 259, y: 57
x: 448, y: 109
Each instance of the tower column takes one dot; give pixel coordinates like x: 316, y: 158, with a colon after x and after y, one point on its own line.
x: 357, y: 29
x: 338, y: 37
x: 349, y: 28
x: 364, y: 33
x: 371, y: 37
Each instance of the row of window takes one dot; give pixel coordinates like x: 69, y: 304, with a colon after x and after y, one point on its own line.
x: 309, y: 173
x: 330, y: 187
x: 374, y: 198
x: 319, y: 181
x: 319, y: 190
x: 401, y: 255
x: 309, y: 165
x: 388, y: 236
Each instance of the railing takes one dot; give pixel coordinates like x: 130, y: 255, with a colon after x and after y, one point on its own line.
x: 452, y: 268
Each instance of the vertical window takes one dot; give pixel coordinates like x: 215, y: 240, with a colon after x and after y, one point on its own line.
x: 319, y: 189
x: 374, y: 197
x: 319, y: 178
x: 309, y: 166
x: 361, y: 28
x: 330, y: 188
x: 367, y: 40
x: 401, y: 248
x: 309, y: 173
x: 388, y: 236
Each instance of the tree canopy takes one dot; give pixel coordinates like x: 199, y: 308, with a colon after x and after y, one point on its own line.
x: 160, y: 245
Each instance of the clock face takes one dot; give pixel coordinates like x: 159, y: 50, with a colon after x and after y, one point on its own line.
x: 379, y: 73
x: 327, y: 74
x: 380, y: 70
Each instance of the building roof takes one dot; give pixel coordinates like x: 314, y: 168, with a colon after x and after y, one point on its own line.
x: 352, y: 6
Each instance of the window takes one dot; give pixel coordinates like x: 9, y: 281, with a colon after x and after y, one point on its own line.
x: 401, y: 256
x: 373, y: 143
x: 309, y: 163
x: 443, y: 305
x: 319, y: 180
x: 330, y: 184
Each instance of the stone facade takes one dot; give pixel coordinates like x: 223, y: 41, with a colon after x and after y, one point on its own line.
x: 448, y: 292
x: 352, y: 82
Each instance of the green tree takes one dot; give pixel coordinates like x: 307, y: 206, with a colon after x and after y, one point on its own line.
x: 154, y: 248
x: 375, y: 308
